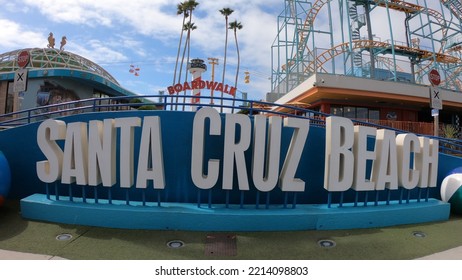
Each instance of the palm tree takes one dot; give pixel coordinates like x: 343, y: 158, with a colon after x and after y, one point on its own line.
x: 235, y: 25
x: 225, y: 12
x: 181, y: 9
x: 189, y: 7
x: 187, y: 27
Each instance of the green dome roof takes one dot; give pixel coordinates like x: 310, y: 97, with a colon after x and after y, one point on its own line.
x: 47, y: 58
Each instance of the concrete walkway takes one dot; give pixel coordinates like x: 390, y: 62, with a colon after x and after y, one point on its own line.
x: 12, y: 255
x: 452, y: 254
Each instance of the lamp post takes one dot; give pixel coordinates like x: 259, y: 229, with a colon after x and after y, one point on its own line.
x: 213, y: 62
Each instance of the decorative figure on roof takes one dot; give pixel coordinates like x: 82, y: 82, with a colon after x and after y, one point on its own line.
x: 51, y: 40
x: 415, y: 42
x: 63, y: 42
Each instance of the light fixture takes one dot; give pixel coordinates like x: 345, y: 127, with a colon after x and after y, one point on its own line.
x: 326, y: 243
x: 175, y: 244
x: 419, y: 234
x: 64, y: 237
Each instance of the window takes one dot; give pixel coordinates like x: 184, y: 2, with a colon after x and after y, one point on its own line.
x: 311, y: 114
x: 351, y: 112
x: 362, y: 113
x: 9, y: 106
x: 374, y: 114
x: 336, y: 111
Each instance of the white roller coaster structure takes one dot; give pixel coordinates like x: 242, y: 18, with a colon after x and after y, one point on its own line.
x: 366, y: 38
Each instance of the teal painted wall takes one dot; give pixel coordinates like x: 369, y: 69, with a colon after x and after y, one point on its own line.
x: 21, y: 150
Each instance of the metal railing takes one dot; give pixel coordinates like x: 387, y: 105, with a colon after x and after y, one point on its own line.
x: 88, y: 194
x: 169, y: 103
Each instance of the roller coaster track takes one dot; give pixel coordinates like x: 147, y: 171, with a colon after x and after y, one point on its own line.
x: 410, y: 8
x: 456, y: 48
x: 291, y: 62
x: 453, y: 78
x: 367, y: 44
x: 388, y: 63
x: 317, y: 63
x: 455, y: 6
x: 398, y: 5
x: 304, y: 32
x: 309, y: 21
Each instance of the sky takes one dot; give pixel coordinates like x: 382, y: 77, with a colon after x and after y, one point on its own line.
x: 145, y: 33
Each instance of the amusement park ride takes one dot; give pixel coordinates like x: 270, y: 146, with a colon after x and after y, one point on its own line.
x: 344, y: 37
x: 103, y: 160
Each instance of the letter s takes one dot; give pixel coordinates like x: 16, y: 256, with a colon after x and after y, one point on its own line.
x: 48, y: 132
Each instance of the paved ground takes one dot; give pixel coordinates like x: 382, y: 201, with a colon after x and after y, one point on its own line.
x: 37, y: 240
x: 13, y: 255
x: 451, y: 254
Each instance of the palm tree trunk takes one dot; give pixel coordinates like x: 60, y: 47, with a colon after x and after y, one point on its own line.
x: 178, y: 57
x: 181, y: 71
x: 224, y: 65
x: 237, y: 70
x: 181, y: 67
x: 188, y: 41
x: 178, y: 52
x: 188, y: 44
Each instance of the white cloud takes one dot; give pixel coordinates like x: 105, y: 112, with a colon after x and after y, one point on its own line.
x: 111, y: 31
x: 12, y: 7
x: 158, y: 19
x: 98, y: 52
x: 15, y: 36
x: 143, y: 16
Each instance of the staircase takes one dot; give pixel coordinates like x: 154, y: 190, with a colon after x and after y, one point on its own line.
x: 355, y: 27
x: 455, y: 6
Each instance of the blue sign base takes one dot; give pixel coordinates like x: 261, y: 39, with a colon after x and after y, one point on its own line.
x: 188, y: 216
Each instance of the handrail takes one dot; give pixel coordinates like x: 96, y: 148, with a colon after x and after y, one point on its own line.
x: 108, y: 104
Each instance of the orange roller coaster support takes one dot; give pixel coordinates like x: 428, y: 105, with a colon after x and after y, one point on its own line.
x: 410, y: 8
x: 366, y: 44
x: 398, y: 5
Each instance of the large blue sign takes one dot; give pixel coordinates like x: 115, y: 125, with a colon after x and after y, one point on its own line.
x: 211, y: 171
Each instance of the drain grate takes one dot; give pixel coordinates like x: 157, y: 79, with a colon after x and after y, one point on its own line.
x: 221, y: 245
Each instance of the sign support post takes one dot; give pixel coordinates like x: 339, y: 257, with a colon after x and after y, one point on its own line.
x: 436, y: 102
x: 20, y: 77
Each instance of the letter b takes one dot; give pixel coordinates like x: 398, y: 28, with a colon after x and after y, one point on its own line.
x: 339, y: 161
